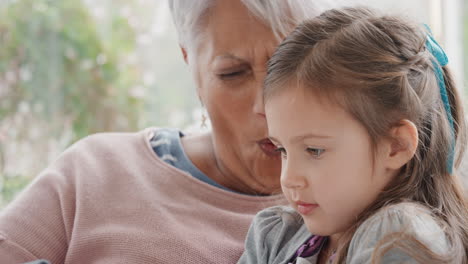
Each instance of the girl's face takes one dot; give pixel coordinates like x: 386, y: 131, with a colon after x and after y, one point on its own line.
x: 329, y: 173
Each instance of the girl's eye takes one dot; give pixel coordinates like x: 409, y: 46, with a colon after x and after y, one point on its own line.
x: 315, y: 152
x: 282, y: 151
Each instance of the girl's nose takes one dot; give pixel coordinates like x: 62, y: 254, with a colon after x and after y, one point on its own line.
x: 292, y: 177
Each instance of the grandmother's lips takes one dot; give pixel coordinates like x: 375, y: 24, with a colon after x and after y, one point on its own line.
x: 268, y: 147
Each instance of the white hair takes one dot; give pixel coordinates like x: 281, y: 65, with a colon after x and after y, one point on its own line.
x: 280, y: 15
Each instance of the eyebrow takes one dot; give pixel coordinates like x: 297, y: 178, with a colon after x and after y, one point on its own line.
x: 302, y: 137
x: 232, y: 57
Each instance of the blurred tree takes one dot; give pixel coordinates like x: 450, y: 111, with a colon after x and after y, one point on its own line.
x: 52, y: 58
x: 59, y: 74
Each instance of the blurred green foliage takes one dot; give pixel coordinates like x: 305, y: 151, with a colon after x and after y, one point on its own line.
x: 53, y: 58
x: 58, y: 70
x: 11, y: 186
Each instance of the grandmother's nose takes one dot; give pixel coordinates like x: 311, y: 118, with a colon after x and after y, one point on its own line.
x: 259, y: 106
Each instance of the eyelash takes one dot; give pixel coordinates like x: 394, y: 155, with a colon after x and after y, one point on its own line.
x: 231, y: 75
x: 314, y: 152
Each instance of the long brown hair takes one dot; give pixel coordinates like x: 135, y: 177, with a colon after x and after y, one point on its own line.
x: 379, y: 69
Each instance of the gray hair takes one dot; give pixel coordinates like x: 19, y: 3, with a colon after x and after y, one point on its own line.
x: 280, y: 15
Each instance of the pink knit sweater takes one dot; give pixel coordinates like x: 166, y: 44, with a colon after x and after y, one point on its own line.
x: 110, y: 199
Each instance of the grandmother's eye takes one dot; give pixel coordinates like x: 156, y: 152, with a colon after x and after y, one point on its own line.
x: 231, y: 75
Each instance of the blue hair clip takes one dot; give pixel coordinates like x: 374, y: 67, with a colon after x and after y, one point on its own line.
x: 442, y: 60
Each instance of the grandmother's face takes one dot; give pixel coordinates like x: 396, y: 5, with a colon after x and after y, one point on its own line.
x: 229, y: 67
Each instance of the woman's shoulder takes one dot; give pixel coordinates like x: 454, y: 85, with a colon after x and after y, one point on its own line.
x: 103, y: 150
x: 106, y: 139
x: 274, y: 235
x: 107, y: 144
x: 399, y: 224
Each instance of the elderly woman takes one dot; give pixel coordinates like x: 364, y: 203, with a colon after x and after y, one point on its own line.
x: 158, y: 196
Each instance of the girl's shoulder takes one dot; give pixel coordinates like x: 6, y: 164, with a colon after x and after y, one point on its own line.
x: 279, y: 217
x: 274, y: 236
x: 404, y: 224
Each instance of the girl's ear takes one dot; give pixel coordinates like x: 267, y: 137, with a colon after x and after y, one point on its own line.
x: 403, y: 144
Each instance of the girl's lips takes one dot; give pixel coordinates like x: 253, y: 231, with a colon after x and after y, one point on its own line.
x: 306, y: 208
x: 268, y: 148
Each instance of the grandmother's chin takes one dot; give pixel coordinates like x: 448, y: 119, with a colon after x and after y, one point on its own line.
x: 267, y: 171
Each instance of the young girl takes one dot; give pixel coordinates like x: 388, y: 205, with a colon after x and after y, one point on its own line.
x: 368, y: 121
